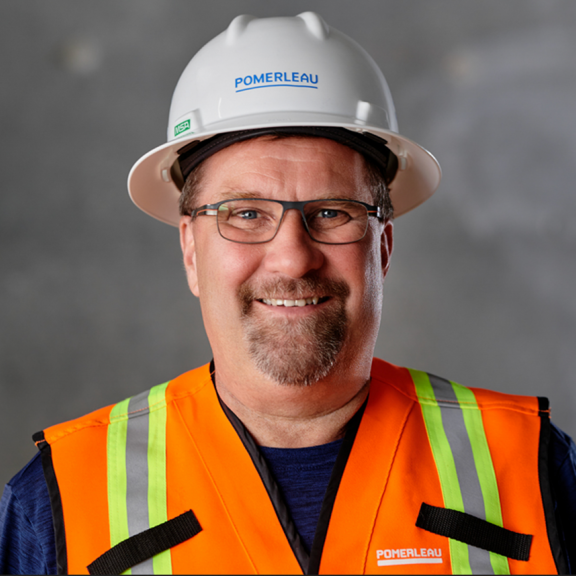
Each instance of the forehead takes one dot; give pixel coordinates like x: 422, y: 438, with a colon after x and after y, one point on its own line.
x: 292, y: 167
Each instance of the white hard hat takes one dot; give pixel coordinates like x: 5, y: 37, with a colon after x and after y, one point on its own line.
x: 280, y: 72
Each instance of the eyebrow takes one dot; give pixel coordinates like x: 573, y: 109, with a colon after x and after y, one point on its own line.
x: 238, y: 195
x: 234, y: 195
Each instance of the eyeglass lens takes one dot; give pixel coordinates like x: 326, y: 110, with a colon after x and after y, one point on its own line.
x: 328, y: 221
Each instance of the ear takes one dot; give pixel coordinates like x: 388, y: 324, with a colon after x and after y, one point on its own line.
x: 387, y: 243
x: 188, y: 246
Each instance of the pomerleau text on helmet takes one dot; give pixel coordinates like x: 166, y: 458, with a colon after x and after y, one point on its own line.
x: 270, y: 79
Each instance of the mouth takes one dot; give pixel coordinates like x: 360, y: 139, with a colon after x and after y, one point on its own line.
x: 301, y: 302
x: 299, y: 298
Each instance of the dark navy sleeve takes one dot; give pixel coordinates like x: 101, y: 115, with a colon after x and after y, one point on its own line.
x: 26, y: 531
x: 563, y: 482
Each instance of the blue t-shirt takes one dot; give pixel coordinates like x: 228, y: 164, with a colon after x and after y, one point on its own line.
x: 27, y: 535
x: 303, y: 475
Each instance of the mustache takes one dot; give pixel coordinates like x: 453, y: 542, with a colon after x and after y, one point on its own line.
x: 293, y: 288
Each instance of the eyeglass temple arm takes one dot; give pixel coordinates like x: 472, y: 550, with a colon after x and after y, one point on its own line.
x: 204, y: 211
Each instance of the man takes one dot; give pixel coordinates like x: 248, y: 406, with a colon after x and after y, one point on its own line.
x: 293, y: 451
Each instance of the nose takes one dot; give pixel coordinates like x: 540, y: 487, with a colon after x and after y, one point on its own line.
x: 292, y: 252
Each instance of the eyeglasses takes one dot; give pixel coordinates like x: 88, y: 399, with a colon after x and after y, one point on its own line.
x: 257, y: 220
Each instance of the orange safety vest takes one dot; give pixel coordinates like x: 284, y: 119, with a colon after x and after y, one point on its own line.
x: 432, y: 477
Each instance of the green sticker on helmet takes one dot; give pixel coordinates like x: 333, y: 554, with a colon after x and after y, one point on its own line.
x: 182, y: 127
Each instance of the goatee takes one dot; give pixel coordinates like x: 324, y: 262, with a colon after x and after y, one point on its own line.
x: 296, y: 351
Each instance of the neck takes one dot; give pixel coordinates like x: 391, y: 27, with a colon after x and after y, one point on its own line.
x: 284, y: 416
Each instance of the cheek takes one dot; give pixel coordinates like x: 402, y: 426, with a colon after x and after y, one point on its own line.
x: 373, y: 284
x: 374, y: 288
x: 360, y: 267
x: 223, y: 266
x: 370, y: 284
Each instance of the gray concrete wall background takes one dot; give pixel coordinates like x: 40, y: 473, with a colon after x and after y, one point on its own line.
x: 94, y: 305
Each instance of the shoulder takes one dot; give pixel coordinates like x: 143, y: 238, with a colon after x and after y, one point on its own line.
x: 562, y: 468
x: 26, y: 531
x: 426, y: 388
x: 562, y: 454
x: 564, y: 449
x: 29, y: 481
x: 96, y: 423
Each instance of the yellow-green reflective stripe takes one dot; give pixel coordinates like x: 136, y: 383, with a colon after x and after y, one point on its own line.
x: 130, y: 419
x: 484, y: 466
x: 445, y: 464
x: 157, y: 498
x: 116, y: 451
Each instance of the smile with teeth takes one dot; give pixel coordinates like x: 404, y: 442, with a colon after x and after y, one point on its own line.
x: 288, y: 303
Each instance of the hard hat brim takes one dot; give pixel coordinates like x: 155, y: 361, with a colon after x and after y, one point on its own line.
x: 152, y: 188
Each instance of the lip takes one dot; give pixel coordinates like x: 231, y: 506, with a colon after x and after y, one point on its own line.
x: 289, y: 302
x: 293, y: 308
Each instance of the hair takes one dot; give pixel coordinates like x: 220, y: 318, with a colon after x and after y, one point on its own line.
x: 375, y: 178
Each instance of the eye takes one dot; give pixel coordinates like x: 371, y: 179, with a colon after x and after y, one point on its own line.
x: 331, y: 215
x: 328, y: 213
x: 247, y: 214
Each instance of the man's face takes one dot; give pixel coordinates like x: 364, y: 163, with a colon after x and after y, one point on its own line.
x: 240, y: 286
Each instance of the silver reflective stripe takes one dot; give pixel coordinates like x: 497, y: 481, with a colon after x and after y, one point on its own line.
x: 137, y: 472
x: 459, y: 441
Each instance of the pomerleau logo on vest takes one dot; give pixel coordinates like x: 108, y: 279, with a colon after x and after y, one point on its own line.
x: 398, y: 556
x: 276, y: 79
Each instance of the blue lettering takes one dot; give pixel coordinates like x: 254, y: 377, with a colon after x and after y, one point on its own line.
x: 269, y: 79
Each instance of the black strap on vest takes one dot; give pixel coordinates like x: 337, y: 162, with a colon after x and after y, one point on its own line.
x: 142, y: 546
x: 55, y: 502
x: 474, y: 532
x: 548, y: 499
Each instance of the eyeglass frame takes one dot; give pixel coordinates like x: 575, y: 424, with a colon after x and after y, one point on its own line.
x: 372, y: 210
